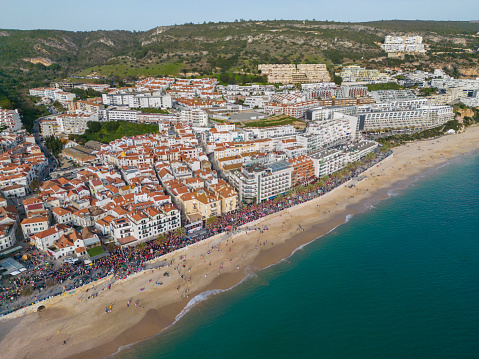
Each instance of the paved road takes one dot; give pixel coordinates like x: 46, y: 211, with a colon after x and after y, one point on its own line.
x: 51, y: 160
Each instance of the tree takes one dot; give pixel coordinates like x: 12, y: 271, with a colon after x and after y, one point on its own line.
x: 140, y: 246
x: 6, y: 104
x: 58, y: 105
x: 161, y: 239
x: 180, y: 232
x: 212, y: 220
x: 54, y: 145
x: 110, y: 247
x: 319, y: 184
x: 93, y: 127
x: 35, y: 185
x: 338, y: 80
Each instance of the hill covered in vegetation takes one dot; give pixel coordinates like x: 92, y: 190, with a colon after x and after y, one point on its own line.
x: 35, y: 58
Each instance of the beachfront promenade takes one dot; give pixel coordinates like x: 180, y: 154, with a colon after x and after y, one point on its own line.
x: 125, y: 262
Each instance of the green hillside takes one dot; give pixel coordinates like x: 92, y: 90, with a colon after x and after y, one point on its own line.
x: 232, y: 49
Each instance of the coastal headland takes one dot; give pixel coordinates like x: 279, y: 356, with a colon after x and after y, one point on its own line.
x: 95, y: 322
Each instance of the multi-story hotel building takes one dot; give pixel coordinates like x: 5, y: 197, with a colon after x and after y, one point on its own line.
x: 426, y: 116
x: 327, y: 161
x: 256, y: 183
x: 320, y: 134
x: 411, y: 44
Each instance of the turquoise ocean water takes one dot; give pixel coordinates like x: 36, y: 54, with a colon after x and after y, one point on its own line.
x: 398, y: 281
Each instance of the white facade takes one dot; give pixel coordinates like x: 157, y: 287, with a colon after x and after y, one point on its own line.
x: 328, y: 161
x: 34, y: 225
x: 256, y: 101
x: 53, y: 94
x: 326, y: 133
x: 120, y: 115
x: 75, y: 124
x: 424, y: 117
x: 356, y: 73
x: 271, y: 132
x: 137, y: 100
x: 194, y: 117
x: 403, y: 44
x: 10, y: 119
x: 146, y: 224
x: 7, y: 235
x: 256, y: 183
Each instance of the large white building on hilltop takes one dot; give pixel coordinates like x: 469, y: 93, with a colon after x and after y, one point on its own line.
x: 408, y: 44
x: 10, y: 119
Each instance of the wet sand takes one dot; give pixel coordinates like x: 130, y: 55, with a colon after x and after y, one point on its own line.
x: 89, y: 332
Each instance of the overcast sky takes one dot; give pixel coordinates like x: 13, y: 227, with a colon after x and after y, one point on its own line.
x: 85, y: 15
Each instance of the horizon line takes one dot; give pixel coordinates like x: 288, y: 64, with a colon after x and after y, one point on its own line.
x: 246, y: 21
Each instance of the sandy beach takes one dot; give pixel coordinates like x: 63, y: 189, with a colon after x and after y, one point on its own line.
x: 145, y: 303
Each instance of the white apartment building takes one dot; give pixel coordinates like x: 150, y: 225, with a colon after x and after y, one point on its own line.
x: 339, y: 127
x: 143, y: 100
x: 327, y: 113
x: 120, y: 115
x: 256, y: 183
x: 393, y: 95
x: 446, y: 83
x: 427, y: 116
x: 34, y: 225
x: 357, y: 73
x: 10, y: 119
x: 326, y: 133
x: 146, y: 224
x: 290, y: 73
x: 256, y: 101
x: 270, y: 132
x: 360, y: 149
x: 403, y: 44
x: 7, y: 235
x: 327, y: 161
x: 53, y: 94
x: 50, y: 127
x: 194, y: 117
x: 223, y: 136
x: 75, y: 124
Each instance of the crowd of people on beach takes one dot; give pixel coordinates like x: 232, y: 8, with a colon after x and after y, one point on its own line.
x: 123, y: 262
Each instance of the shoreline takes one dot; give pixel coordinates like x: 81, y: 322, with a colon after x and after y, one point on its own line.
x: 91, y: 335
